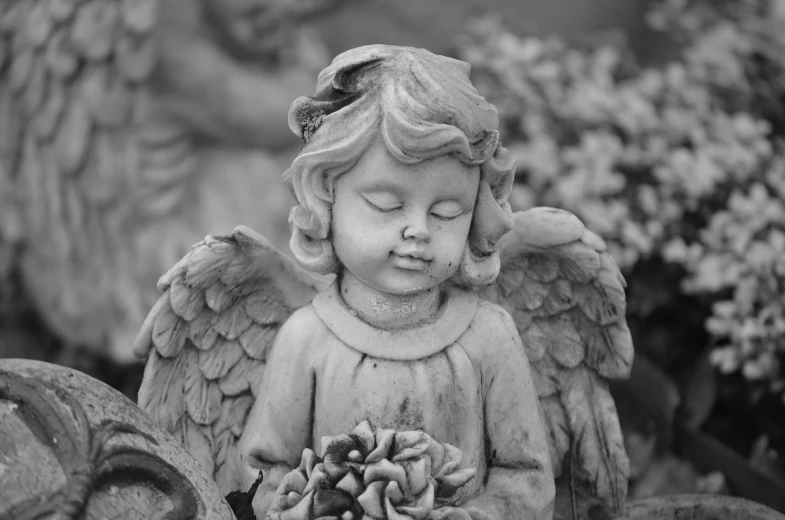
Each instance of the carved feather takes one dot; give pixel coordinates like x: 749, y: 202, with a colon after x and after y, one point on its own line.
x: 206, y: 354
x: 566, y: 296
x: 597, y: 442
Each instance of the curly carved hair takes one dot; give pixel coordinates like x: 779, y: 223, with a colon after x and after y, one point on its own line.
x: 421, y: 106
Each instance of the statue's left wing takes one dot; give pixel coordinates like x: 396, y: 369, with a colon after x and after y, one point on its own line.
x: 566, y: 296
x: 207, y: 340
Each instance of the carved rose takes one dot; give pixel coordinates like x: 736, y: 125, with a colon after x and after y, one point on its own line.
x: 365, y: 476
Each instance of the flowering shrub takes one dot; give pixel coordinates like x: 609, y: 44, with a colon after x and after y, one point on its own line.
x: 383, y: 476
x: 680, y: 162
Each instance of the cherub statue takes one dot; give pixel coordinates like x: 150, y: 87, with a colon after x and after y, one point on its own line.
x: 487, y: 332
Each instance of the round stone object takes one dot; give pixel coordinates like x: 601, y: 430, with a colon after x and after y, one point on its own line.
x: 72, y: 447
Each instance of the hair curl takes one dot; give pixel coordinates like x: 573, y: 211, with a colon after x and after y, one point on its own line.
x: 421, y: 106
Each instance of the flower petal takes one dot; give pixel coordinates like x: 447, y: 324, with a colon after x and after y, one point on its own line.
x: 392, y: 514
x: 308, y: 461
x: 411, y: 444
x: 384, y: 441
x: 417, y: 473
x: 422, y: 507
x: 364, y: 434
x: 351, y: 484
x: 330, y: 502
x: 302, y: 511
x: 294, y: 481
x: 371, y: 500
x: 449, y: 484
x: 452, y: 459
x: 393, y: 492
x: 386, y: 470
x: 318, y: 479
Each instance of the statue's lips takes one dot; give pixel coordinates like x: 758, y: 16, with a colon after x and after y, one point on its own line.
x: 411, y: 263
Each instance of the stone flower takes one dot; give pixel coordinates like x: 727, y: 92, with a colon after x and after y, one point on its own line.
x: 385, y: 475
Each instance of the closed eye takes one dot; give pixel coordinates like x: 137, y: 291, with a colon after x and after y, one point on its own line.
x: 447, y: 210
x: 383, y: 201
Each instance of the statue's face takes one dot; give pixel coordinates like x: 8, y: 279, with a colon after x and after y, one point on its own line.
x: 402, y: 228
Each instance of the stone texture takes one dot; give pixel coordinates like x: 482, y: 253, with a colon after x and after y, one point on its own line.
x: 134, y: 473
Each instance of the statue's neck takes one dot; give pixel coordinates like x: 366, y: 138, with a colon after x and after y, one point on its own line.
x: 388, y: 311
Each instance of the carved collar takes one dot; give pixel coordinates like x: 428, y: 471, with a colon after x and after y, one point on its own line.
x: 452, y: 320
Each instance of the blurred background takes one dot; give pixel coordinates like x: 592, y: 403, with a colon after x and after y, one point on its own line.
x: 131, y: 129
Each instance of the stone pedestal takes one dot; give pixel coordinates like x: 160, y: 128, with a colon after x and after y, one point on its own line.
x: 72, y: 447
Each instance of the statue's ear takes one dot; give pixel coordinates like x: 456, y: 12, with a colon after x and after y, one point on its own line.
x: 307, y: 113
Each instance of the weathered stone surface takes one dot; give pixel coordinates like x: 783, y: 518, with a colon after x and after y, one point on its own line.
x: 69, y: 443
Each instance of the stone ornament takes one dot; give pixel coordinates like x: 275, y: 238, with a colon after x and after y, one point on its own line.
x: 368, y: 475
x: 491, y: 332
x: 73, y: 448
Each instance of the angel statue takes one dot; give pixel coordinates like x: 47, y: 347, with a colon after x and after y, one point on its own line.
x: 126, y: 128
x: 454, y: 366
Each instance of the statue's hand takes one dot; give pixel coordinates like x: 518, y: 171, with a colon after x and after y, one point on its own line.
x: 449, y: 513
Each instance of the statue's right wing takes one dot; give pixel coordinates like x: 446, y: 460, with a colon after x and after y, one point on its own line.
x: 207, y: 339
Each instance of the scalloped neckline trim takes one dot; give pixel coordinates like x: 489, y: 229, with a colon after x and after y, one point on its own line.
x: 452, y: 320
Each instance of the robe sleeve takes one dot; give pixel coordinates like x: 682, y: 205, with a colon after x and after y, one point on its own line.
x: 520, y: 481
x: 279, y: 425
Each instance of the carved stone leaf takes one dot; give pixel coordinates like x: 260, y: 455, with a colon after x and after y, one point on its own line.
x: 187, y: 303
x: 202, y: 397
x: 542, y: 268
x: 530, y: 295
x: 73, y: 137
x: 106, y: 95
x: 257, y: 340
x: 597, y: 304
x: 216, y: 362
x: 535, y: 340
x: 264, y: 309
x: 135, y: 56
x: 558, y: 299
x: 60, y: 59
x: 139, y: 15
x: 103, y: 177
x: 198, y: 442
x: 609, y: 349
x: 61, y: 10
x: 610, y: 276
x: 161, y: 395
x: 545, y: 374
x: 95, y: 27
x: 169, y: 332
x: 39, y: 24
x: 234, y: 412
x: 33, y: 94
x: 232, y: 322
x: 557, y: 431
x: 21, y: 64
x: 579, y: 263
x: 218, y: 297
x: 201, y: 331
x: 48, y: 117
x: 206, y: 265
x: 566, y: 345
x: 557, y: 336
x: 599, y: 457
x: 241, y: 376
x: 238, y: 271
x: 522, y: 319
x: 225, y: 473
x: 510, y: 277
